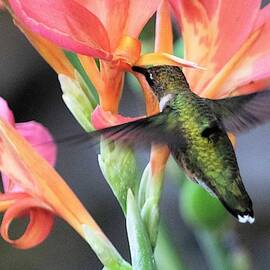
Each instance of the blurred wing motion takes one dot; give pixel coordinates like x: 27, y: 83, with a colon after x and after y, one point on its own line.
x: 143, y: 132
x: 241, y: 113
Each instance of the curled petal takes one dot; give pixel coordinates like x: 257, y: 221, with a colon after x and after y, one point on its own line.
x: 69, y: 27
x: 165, y: 59
x: 102, y: 119
x: 128, y: 50
x: 5, y: 112
x: 40, y: 138
x: 7, y: 199
x: 21, y: 163
x: 39, y: 226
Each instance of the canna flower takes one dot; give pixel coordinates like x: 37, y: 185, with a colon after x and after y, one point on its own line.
x: 15, y: 200
x: 107, y: 31
x: 32, y: 187
x: 104, y: 30
x: 229, y: 39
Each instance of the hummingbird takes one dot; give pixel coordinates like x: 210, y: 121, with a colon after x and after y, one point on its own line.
x: 196, y: 131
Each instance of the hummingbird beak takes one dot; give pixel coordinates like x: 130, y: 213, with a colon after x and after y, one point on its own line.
x: 140, y: 70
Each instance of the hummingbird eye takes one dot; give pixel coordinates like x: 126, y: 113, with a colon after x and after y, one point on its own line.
x: 147, y: 74
x: 149, y: 78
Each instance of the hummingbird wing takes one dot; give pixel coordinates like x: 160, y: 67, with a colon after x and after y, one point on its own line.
x: 144, y: 131
x: 241, y: 113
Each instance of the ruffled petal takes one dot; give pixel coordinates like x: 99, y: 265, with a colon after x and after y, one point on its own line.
x: 40, y: 138
x: 252, y: 72
x: 102, y: 119
x: 208, y: 37
x: 40, y: 223
x: 66, y: 23
x: 5, y: 112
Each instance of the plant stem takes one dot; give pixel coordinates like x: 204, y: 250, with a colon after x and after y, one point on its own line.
x: 166, y: 256
x: 212, y: 248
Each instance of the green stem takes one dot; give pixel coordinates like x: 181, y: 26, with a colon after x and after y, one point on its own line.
x: 211, y: 246
x: 166, y: 256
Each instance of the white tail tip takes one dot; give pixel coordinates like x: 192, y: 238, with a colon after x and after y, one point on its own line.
x: 246, y: 218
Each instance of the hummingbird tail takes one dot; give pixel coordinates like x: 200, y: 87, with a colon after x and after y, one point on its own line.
x: 242, y: 214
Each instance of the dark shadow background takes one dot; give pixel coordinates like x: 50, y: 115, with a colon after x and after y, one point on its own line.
x: 33, y: 92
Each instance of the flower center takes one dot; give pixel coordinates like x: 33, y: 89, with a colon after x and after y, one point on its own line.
x: 127, y: 52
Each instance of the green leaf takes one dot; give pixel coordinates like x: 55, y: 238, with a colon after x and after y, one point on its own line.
x: 143, y: 186
x: 149, y: 197
x: 140, y: 246
x: 119, y: 167
x: 214, y: 250
x: 91, y: 90
x: 166, y: 255
x: 150, y: 216
x: 105, y: 251
x: 77, y: 101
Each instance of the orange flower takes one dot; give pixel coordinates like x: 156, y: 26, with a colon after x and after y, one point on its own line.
x: 40, y: 192
x: 229, y: 39
x: 107, y: 30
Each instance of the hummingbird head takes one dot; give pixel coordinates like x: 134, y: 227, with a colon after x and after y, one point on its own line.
x: 164, y: 79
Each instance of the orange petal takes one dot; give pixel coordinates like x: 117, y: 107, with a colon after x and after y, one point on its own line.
x: 38, y: 228
x: 164, y: 35
x: 158, y: 159
x: 251, y: 87
x: 52, y: 54
x: 21, y: 163
x: 7, y: 199
x: 69, y: 27
x: 165, y: 59
x: 113, y: 14
x: 252, y: 71
x: 139, y: 12
x: 113, y: 78
x: 102, y: 119
x: 90, y: 67
x: 214, y: 88
x: 208, y: 36
x: 151, y: 101
x: 128, y: 50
